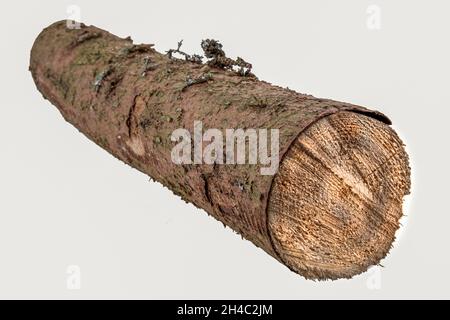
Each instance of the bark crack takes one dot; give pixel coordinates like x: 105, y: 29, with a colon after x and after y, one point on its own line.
x: 132, y: 122
x: 207, y: 192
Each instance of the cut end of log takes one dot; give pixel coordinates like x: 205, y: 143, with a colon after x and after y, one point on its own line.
x: 336, y: 201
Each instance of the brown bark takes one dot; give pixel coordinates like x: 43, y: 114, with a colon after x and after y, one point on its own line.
x: 129, y: 98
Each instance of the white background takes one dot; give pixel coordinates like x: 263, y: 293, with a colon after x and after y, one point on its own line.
x: 64, y: 201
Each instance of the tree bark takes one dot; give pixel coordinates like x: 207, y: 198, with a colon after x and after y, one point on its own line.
x: 129, y: 98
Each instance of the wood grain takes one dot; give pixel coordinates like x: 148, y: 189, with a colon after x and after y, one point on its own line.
x: 336, y: 202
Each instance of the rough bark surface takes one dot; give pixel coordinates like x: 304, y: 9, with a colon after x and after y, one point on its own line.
x: 129, y: 98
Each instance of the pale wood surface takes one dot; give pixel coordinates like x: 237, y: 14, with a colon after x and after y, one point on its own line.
x: 336, y: 202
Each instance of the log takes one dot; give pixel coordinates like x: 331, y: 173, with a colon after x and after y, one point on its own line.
x: 332, y: 209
